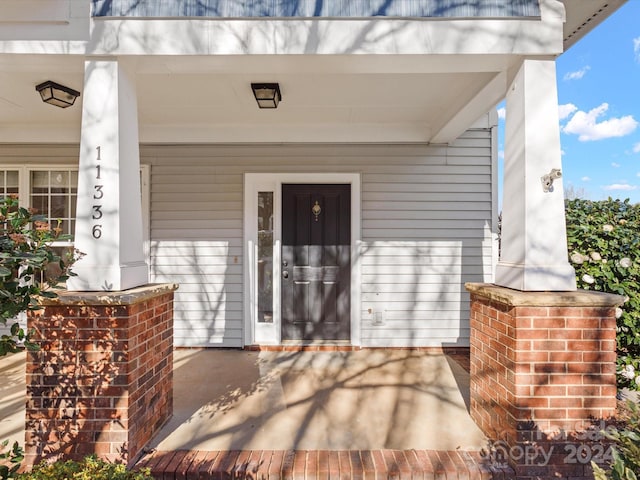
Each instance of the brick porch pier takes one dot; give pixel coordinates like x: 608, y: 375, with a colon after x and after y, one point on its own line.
x: 102, y: 381
x: 543, y: 377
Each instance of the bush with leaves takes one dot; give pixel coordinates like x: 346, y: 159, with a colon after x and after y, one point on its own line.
x: 604, y: 248
x: 29, y: 268
x: 625, y: 451
x: 91, y: 468
x: 10, y: 459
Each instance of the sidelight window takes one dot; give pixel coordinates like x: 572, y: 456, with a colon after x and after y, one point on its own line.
x: 265, y: 257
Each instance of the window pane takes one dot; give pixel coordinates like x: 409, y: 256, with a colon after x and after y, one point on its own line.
x: 40, y: 204
x: 40, y: 180
x: 58, y: 206
x: 265, y: 257
x: 73, y: 180
x: 59, y: 180
x: 8, y: 182
x: 53, y: 194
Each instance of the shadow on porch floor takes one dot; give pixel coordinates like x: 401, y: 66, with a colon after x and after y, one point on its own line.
x: 343, y: 414
x: 340, y: 400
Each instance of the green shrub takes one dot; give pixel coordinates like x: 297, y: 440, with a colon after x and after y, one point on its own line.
x: 29, y: 267
x: 91, y: 468
x: 604, y: 248
x: 11, y: 459
x: 626, y: 450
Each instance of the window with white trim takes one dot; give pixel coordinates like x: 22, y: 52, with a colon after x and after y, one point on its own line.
x: 52, y: 191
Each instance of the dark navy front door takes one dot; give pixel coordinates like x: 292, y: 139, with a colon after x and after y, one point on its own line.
x: 316, y: 262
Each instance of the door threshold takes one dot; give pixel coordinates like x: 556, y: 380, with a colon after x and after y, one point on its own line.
x: 307, y: 345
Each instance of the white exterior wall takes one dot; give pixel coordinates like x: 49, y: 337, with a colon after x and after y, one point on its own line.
x: 426, y: 229
x: 427, y: 226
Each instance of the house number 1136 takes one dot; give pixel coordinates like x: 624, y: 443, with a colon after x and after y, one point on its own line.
x: 98, y: 193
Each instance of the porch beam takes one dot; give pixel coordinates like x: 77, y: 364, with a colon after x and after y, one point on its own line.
x: 534, y: 240
x: 483, y: 101
x: 109, y: 213
x: 265, y: 36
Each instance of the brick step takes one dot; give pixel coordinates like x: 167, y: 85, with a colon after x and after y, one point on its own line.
x: 322, y: 464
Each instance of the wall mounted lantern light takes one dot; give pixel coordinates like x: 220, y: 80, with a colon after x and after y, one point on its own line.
x: 267, y: 94
x: 56, y: 94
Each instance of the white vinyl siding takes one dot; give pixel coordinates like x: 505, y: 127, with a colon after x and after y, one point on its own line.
x: 426, y: 229
x: 196, y: 241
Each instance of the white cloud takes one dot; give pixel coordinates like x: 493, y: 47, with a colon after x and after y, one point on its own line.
x: 502, y: 113
x: 615, y: 165
x: 565, y: 110
x: 636, y: 148
x: 586, y: 179
x: 578, y: 74
x: 620, y: 186
x: 585, y: 125
x: 636, y: 48
x: 501, y: 154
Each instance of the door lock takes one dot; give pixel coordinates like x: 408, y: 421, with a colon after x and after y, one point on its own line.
x: 284, y: 263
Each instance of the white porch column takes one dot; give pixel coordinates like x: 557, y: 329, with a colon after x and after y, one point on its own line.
x: 534, y: 239
x: 109, y: 215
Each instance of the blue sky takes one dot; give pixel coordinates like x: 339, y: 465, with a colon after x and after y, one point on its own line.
x: 599, y: 105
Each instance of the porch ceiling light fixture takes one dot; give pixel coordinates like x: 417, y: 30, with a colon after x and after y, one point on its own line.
x: 56, y: 94
x: 267, y: 94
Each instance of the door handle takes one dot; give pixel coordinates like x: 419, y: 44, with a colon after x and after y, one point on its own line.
x: 285, y: 274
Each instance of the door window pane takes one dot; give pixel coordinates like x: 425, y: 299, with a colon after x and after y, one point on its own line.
x: 265, y: 257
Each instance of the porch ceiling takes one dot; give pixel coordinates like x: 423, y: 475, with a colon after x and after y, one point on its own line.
x: 326, y: 98
x: 209, y: 99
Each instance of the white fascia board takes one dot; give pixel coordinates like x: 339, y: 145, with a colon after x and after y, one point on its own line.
x: 269, y: 37
x: 480, y: 104
x: 285, y: 133
x: 379, y: 36
x: 321, y: 64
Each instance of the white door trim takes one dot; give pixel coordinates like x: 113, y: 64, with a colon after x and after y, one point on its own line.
x: 270, y: 334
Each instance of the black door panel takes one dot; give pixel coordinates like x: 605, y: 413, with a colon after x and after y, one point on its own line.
x: 316, y: 262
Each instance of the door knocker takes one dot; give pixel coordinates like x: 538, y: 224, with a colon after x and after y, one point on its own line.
x: 316, y: 210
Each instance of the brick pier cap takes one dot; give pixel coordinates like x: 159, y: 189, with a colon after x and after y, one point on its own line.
x: 518, y: 298
x: 124, y: 297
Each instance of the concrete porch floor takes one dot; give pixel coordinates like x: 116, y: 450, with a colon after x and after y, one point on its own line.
x: 319, y: 400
